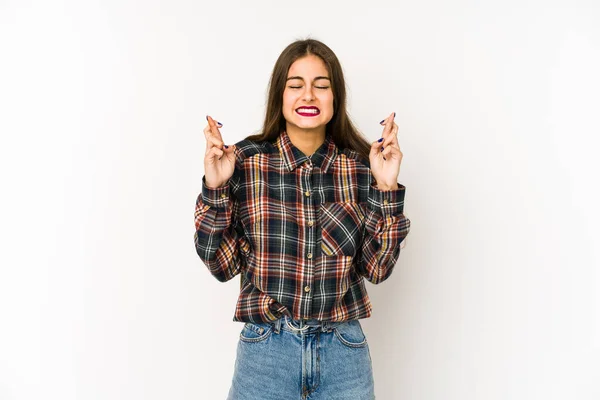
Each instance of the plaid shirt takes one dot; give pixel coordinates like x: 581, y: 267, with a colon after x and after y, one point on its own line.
x: 302, y: 232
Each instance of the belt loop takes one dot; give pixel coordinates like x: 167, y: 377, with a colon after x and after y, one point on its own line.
x: 293, y: 328
x: 277, y: 325
x: 330, y: 325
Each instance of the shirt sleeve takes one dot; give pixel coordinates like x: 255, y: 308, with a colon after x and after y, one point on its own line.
x: 218, y: 237
x: 384, y: 230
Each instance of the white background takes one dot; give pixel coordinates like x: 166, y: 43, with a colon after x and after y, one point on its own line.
x: 496, y: 295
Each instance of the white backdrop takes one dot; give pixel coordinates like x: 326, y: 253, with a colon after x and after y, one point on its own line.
x: 496, y: 295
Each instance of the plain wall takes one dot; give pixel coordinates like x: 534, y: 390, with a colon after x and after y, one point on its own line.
x: 102, y: 106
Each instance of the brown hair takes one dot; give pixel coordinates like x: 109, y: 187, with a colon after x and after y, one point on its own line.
x: 341, y: 128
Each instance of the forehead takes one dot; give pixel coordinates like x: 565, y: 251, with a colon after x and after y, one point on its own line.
x: 308, y: 66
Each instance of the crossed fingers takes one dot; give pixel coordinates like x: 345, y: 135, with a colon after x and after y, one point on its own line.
x: 390, y: 132
x: 212, y: 135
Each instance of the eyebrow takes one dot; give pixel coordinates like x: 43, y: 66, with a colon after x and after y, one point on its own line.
x: 301, y: 78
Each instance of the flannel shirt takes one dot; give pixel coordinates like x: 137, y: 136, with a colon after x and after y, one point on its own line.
x: 303, y: 232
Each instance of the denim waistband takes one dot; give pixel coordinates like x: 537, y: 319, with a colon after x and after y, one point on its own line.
x: 304, y: 325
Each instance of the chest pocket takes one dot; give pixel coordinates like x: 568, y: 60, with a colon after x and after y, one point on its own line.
x: 341, y: 228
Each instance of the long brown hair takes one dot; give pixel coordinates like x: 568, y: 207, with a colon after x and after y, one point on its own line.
x: 341, y: 128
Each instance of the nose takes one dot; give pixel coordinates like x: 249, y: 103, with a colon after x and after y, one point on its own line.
x: 308, y: 93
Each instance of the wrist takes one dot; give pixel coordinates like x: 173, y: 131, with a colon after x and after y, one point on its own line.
x: 214, y: 185
x: 387, y: 187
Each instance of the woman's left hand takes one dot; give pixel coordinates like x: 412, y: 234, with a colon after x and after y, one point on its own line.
x: 385, y: 165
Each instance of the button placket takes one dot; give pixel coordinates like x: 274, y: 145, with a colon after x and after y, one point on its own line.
x: 310, y: 218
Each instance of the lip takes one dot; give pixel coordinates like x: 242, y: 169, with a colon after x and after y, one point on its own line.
x: 308, y: 114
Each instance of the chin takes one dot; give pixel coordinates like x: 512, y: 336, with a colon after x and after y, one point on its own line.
x: 310, y: 125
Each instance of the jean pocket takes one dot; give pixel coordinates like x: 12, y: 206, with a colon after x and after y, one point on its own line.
x: 255, y: 332
x: 350, y: 334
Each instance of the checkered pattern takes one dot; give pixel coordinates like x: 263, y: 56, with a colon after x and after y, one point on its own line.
x: 302, y: 232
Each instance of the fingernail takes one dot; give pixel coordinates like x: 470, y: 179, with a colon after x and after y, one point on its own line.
x: 381, y: 122
x: 207, y: 117
x: 394, y: 114
x: 381, y: 149
x: 219, y: 123
x: 226, y: 146
x: 380, y: 139
x: 384, y: 158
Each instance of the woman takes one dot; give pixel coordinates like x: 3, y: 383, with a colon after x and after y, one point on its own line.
x: 304, y: 212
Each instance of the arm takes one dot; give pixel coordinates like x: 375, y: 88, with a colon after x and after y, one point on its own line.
x: 384, y: 229
x: 217, y: 235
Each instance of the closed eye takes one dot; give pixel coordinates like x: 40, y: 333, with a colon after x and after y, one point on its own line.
x: 318, y: 87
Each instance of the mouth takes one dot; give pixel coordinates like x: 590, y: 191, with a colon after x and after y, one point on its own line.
x: 308, y: 111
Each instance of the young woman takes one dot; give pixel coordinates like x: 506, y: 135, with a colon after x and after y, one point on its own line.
x: 303, y: 212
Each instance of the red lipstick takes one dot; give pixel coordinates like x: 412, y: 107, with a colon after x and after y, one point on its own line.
x: 308, y: 111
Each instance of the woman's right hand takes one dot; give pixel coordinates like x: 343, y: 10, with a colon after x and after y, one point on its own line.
x: 219, y: 160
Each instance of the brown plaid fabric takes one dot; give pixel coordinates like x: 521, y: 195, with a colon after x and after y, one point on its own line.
x: 302, y: 232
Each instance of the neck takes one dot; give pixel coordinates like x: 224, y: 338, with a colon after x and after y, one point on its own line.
x: 307, y: 141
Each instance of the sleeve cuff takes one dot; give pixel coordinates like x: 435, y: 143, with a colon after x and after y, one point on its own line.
x: 215, y: 197
x: 386, y: 202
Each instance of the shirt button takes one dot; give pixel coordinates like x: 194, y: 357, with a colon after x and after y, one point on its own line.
x: 307, y: 288
x: 385, y: 201
x: 307, y: 193
x: 310, y: 223
x: 309, y: 255
x: 223, y: 195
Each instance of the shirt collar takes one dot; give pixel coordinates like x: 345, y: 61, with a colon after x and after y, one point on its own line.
x: 322, y: 158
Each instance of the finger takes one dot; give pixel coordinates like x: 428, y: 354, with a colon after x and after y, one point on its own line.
x: 207, y: 135
x: 207, y: 130
x: 230, y: 151
x: 392, y: 138
x: 393, y: 152
x: 388, y: 119
x: 388, y: 125
x: 375, y: 148
x: 212, y: 141
x: 212, y: 138
x: 220, y: 125
x: 215, y: 142
x: 213, y: 127
x: 215, y: 153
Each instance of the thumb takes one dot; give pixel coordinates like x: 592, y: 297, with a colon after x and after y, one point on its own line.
x: 375, y: 148
x: 230, y: 149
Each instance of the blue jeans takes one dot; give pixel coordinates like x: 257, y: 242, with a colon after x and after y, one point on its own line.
x: 290, y: 359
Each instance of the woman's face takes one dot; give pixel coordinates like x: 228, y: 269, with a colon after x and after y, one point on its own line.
x: 308, y: 98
